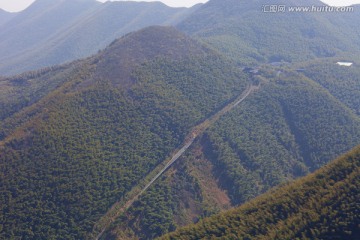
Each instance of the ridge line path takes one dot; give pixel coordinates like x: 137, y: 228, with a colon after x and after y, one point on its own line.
x: 115, y: 211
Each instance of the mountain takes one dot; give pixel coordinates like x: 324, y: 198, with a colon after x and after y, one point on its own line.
x: 342, y: 82
x: 322, y: 205
x: 347, y: 23
x: 5, y: 16
x: 37, y: 23
x: 248, y: 33
x: 81, y: 140
x: 99, y: 127
x: 64, y: 30
x: 288, y: 128
x: 297, y: 121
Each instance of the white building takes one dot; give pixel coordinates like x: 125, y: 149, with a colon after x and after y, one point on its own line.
x: 346, y: 64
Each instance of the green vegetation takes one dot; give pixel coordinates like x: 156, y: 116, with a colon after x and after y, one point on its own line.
x: 323, y: 205
x: 242, y: 31
x: 283, y: 131
x: 154, y: 213
x: 75, y: 139
x: 23, y: 90
x: 342, y: 82
x: 280, y: 133
x: 176, y: 199
x: 71, y: 155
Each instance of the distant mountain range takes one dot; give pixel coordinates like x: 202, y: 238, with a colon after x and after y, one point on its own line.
x: 62, y: 30
x: 247, y: 34
x: 53, y: 32
x: 5, y: 16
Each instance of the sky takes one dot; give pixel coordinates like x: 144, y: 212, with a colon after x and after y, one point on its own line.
x: 18, y: 5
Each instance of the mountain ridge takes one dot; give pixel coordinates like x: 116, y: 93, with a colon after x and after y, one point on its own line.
x: 97, y: 138
x: 87, y: 26
x: 309, y: 208
x: 244, y: 31
x: 174, y: 46
x: 273, y: 137
x: 77, y: 138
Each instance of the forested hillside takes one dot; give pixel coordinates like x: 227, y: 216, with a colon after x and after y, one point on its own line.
x: 292, y: 126
x: 79, y: 138
x: 66, y: 158
x: 323, y: 205
x: 26, y: 89
x: 244, y: 31
x: 299, y: 128
x: 56, y: 31
x: 342, y: 82
x: 287, y: 129
x: 349, y: 22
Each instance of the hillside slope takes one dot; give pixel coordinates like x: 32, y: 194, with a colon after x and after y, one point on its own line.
x: 342, y: 82
x: 5, y: 16
x: 323, y: 205
x: 299, y: 128
x: 33, y: 26
x: 85, y: 27
x: 67, y: 157
x: 77, y: 138
x: 290, y: 127
x: 248, y: 33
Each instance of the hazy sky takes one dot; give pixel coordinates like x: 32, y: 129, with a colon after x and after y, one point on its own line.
x: 18, y: 5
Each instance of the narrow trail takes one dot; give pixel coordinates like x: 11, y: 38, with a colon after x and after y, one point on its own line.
x: 120, y: 207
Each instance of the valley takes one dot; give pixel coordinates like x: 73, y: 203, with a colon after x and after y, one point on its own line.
x: 305, y: 209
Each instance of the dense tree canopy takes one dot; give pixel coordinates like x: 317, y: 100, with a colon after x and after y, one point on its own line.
x: 322, y: 205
